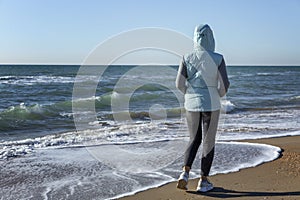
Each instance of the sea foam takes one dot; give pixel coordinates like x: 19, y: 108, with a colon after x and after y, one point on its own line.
x: 68, y: 172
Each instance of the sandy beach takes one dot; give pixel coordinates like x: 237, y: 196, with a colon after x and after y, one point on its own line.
x: 279, y: 179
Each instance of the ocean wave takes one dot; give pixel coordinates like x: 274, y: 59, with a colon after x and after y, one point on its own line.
x: 28, y: 112
x: 32, y: 80
x: 16, y: 117
x: 108, y: 132
x: 294, y: 98
x: 120, y: 97
x: 146, y: 115
x: 269, y: 74
x: 101, y: 133
x: 23, y: 115
x: 238, y: 136
x: 112, y: 133
x: 247, y: 74
x: 142, y: 88
x: 227, y: 106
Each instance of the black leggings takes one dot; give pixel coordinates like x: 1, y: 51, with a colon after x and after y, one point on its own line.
x: 196, y: 121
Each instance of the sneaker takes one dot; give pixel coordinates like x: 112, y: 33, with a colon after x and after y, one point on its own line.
x: 204, y: 186
x: 183, y: 181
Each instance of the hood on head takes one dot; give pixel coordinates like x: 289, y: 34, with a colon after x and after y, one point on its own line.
x: 204, y: 38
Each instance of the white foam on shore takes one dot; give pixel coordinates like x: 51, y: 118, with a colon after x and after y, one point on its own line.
x: 269, y: 153
x: 144, y: 188
x: 68, y: 172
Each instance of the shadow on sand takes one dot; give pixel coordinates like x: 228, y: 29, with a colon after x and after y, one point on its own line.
x: 219, y: 192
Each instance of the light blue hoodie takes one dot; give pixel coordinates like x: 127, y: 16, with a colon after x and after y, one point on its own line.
x: 202, y: 72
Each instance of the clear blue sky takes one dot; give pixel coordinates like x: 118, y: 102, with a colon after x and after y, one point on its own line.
x: 64, y: 31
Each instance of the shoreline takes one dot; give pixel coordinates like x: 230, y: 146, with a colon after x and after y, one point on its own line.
x: 277, y: 179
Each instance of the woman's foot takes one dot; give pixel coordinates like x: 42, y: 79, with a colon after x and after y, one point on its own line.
x: 204, y: 185
x: 183, y: 180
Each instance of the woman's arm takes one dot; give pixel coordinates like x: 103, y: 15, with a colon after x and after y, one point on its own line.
x: 223, y: 79
x: 181, y: 77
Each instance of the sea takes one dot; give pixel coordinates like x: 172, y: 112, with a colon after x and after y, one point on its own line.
x: 103, y: 132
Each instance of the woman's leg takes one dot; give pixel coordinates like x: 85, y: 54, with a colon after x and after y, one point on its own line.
x: 210, y: 126
x: 195, y: 131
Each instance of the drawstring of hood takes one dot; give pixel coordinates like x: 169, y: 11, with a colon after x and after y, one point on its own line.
x: 204, y: 38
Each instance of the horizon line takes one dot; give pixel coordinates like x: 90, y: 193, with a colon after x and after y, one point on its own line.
x: 77, y: 64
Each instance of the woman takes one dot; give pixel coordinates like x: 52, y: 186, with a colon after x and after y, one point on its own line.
x: 202, y: 77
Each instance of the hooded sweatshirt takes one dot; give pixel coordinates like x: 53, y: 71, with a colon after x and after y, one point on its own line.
x: 202, y: 75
